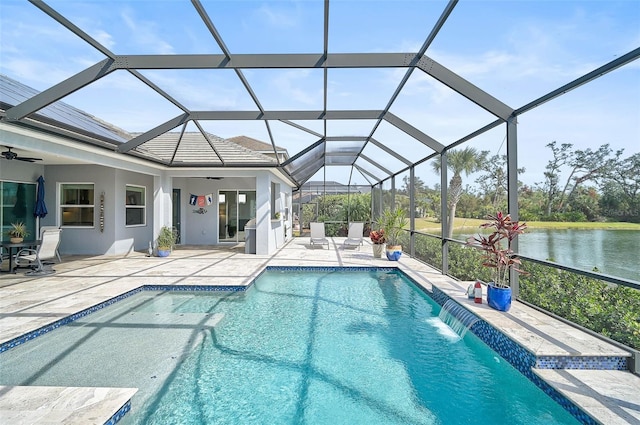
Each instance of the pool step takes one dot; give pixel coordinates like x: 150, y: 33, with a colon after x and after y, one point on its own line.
x: 599, y: 392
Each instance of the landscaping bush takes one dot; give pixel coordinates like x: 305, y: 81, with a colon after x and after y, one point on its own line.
x: 610, y: 310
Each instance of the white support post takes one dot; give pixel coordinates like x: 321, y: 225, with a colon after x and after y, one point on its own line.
x: 263, y: 213
x: 162, y: 187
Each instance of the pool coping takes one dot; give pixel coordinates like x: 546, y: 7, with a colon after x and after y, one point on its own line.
x: 518, y: 356
x: 45, y: 404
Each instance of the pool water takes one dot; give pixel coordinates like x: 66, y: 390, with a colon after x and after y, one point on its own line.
x: 296, y: 348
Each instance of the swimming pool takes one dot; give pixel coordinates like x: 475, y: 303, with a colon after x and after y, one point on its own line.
x: 321, y: 347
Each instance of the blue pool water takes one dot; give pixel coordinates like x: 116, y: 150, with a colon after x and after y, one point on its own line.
x: 296, y: 348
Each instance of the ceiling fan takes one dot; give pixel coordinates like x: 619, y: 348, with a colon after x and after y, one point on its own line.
x: 12, y: 155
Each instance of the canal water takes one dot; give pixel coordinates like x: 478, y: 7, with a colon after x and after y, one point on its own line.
x: 612, y: 252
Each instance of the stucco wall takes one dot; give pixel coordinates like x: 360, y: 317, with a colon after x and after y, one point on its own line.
x: 202, y: 229
x: 20, y: 171
x: 116, y: 238
x: 130, y: 238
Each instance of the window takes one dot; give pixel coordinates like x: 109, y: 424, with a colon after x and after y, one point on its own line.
x: 136, y: 205
x: 77, y: 204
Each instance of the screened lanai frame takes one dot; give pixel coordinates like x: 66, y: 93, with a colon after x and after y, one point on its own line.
x: 361, y: 153
x: 303, y: 165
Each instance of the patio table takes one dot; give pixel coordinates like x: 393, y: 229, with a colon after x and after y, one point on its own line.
x: 12, y: 247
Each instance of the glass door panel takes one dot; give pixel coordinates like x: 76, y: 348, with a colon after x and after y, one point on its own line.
x: 175, y: 214
x: 235, y: 209
x: 228, y: 216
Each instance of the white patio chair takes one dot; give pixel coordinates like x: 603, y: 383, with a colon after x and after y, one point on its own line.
x: 34, y: 257
x: 45, y: 228
x: 317, y: 235
x: 354, y: 237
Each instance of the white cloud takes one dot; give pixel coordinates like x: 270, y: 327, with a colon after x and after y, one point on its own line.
x: 278, y: 17
x: 104, y: 38
x: 292, y: 84
x: 35, y: 73
x: 203, y: 90
x: 145, y: 34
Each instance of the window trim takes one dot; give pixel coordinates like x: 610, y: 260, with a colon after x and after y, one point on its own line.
x: 61, y: 205
x: 143, y: 207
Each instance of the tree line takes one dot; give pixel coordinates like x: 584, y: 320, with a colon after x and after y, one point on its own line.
x: 579, y: 185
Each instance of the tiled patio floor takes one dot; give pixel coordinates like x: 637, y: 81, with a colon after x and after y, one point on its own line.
x: 26, y: 304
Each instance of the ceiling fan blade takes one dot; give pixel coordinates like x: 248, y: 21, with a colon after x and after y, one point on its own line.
x: 10, y: 155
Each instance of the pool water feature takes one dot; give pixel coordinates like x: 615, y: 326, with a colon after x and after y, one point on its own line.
x: 322, y: 347
x: 456, y: 317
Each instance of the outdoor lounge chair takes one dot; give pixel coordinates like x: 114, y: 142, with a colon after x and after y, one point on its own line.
x: 45, y: 228
x: 317, y: 235
x: 354, y: 237
x: 35, y: 258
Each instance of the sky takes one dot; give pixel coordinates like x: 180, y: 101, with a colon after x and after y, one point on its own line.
x: 517, y: 51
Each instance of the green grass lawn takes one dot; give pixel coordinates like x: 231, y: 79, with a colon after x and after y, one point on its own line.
x: 430, y: 225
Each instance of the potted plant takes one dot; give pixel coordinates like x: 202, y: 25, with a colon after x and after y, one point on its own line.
x: 18, y: 232
x: 392, y: 222
x: 378, y: 240
x: 497, y: 255
x: 166, y: 241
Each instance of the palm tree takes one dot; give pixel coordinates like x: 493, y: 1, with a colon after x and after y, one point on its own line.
x: 467, y: 161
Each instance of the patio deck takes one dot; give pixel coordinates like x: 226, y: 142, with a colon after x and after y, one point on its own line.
x: 26, y: 304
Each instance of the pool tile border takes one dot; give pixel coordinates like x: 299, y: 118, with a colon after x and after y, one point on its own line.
x: 196, y: 288
x: 331, y: 268
x: 582, y: 362
x: 119, y: 414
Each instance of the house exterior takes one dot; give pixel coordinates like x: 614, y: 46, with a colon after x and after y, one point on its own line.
x: 110, y: 203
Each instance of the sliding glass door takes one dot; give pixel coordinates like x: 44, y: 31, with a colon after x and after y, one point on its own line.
x: 235, y: 209
x: 16, y: 205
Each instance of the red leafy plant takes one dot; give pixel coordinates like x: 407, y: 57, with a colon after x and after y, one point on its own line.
x: 377, y: 237
x: 496, y: 247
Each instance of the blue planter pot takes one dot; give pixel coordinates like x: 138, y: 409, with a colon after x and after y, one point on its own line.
x: 499, y: 298
x: 164, y: 253
x: 394, y: 252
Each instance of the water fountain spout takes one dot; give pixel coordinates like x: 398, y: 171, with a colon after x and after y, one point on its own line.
x: 458, y: 318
